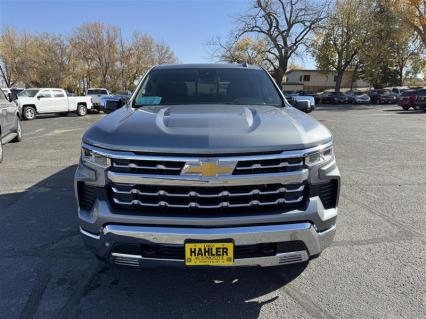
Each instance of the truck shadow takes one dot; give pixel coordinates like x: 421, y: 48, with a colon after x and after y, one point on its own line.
x: 47, y: 211
x: 187, y: 293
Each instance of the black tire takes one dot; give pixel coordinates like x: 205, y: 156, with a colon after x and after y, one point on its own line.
x: 18, y: 136
x: 81, y: 110
x: 29, y: 113
x: 406, y: 107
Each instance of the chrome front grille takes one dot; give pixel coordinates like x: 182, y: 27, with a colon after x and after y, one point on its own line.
x: 189, y: 185
x: 270, y: 195
x: 274, y: 163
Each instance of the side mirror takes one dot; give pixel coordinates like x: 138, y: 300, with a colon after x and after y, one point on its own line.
x: 11, y: 97
x: 109, y: 105
x: 39, y: 97
x: 303, y: 105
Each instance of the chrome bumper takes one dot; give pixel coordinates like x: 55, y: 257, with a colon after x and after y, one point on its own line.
x: 103, y: 244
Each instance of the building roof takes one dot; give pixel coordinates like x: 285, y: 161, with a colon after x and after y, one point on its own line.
x: 313, y: 70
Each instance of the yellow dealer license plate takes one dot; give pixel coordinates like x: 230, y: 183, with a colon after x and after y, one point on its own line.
x: 212, y: 254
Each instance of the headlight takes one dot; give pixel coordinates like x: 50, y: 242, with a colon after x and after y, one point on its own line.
x: 94, y: 158
x: 320, y: 157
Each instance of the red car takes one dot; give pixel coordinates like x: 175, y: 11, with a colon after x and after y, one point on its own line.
x: 407, y: 99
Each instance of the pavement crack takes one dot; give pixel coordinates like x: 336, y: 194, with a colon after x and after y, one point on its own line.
x: 311, y: 307
x: 307, y: 303
x: 387, y: 218
x: 36, y: 293
x: 70, y: 308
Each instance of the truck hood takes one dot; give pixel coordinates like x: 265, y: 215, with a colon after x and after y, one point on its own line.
x: 207, y: 129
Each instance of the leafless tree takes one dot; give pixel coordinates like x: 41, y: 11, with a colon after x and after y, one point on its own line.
x: 287, y: 25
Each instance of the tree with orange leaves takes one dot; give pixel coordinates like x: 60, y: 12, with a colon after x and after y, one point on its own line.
x: 414, y: 14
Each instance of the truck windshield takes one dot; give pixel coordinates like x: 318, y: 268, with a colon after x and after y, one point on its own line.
x: 207, y: 86
x: 28, y: 93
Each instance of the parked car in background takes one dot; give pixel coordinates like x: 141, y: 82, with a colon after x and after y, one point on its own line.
x: 407, y: 99
x: 111, y: 103
x: 294, y: 98
x: 334, y: 98
x: 358, y: 97
x: 96, y: 94
x: 420, y: 103
x: 12, y: 93
x: 398, y: 90
x: 382, y: 96
x: 316, y: 96
x: 10, y: 124
x: 124, y: 95
x: 51, y: 100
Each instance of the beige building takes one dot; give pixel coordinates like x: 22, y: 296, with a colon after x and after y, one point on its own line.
x: 319, y: 80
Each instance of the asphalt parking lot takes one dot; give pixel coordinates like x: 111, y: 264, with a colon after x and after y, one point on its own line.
x: 375, y: 268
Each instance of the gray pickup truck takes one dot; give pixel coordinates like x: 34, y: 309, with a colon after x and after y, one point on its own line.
x: 10, y: 123
x: 207, y: 164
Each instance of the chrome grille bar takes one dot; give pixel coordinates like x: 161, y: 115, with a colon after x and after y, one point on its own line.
x: 196, y: 205
x: 296, y: 177
x: 220, y: 194
x: 155, y: 167
x: 171, y: 158
x: 260, y: 166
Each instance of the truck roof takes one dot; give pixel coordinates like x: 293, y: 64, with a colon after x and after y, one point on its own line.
x: 206, y: 66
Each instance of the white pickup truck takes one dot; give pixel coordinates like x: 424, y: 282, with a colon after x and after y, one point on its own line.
x: 51, y: 100
x: 97, y: 94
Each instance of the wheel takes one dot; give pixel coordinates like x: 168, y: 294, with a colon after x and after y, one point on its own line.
x: 1, y: 151
x: 18, y: 136
x: 377, y: 101
x: 406, y: 107
x: 29, y: 113
x: 81, y: 110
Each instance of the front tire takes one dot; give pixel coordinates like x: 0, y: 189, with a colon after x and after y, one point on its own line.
x: 81, y: 110
x: 18, y: 137
x: 29, y: 113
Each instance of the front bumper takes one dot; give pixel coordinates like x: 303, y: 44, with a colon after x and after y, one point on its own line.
x: 112, y: 236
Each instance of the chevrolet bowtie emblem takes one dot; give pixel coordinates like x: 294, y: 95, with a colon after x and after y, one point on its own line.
x: 208, y: 168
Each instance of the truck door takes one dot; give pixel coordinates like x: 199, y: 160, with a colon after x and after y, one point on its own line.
x: 4, y: 115
x: 45, y: 102
x: 60, y: 101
